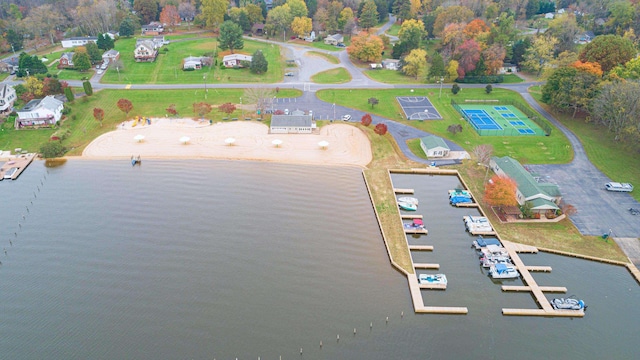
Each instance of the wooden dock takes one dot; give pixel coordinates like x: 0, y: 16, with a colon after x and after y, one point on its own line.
x: 411, y: 216
x: 520, y: 288
x: 533, y: 287
x: 483, y: 233
x: 416, y: 231
x: 467, y: 205
x: 433, y: 286
x: 418, y: 303
x: 403, y: 191
x: 421, y: 247
x: 20, y: 162
x: 426, y: 266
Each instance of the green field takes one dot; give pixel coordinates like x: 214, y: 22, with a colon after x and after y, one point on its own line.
x: 392, y: 77
x: 393, y: 30
x: 167, y: 69
x: 332, y: 76
x: 152, y: 103
x: 553, y: 149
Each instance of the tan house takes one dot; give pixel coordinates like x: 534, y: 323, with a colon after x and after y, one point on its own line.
x: 153, y: 28
x: 334, y: 39
x: 145, y: 51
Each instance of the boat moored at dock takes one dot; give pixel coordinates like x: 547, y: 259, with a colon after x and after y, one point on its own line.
x: 409, y: 200
x: 407, y: 206
x: 503, y: 271
x: 570, y: 303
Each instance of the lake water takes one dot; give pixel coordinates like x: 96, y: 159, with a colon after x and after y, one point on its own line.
x: 218, y: 259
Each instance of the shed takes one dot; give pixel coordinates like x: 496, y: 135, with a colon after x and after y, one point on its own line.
x: 334, y: 39
x: 291, y: 124
x: 508, y: 68
x: 434, y: 147
x: 78, y: 41
x: 391, y: 64
x: 257, y: 29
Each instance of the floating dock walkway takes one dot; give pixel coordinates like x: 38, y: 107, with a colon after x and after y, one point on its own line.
x: 403, y: 191
x: 20, y: 162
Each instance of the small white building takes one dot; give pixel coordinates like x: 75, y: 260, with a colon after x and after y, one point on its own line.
x: 192, y: 62
x: 40, y: 112
x: 112, y: 34
x: 7, y: 98
x: 434, y: 147
x: 508, y: 68
x: 78, y: 41
x: 391, y: 64
x: 334, y: 39
x: 235, y: 60
x: 549, y: 15
x: 291, y: 124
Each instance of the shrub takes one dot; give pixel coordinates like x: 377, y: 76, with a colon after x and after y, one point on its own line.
x: 60, y: 134
x: 488, y: 89
x: 88, y: 89
x: 52, y: 149
x: 455, y: 89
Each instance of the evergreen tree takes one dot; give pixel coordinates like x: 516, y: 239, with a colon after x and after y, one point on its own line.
x: 263, y: 7
x: 399, y: 49
x: 88, y: 89
x: 259, y: 64
x: 95, y: 55
x: 102, y: 42
x: 243, y: 21
x: 369, y: 17
x: 81, y: 61
x: 437, y: 69
x: 68, y: 93
x: 15, y: 39
x: 230, y: 36
x: 127, y: 27
x: 30, y: 65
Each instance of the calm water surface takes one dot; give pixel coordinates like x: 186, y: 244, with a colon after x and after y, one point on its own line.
x: 216, y: 259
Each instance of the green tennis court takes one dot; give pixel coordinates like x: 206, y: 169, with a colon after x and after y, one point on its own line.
x: 498, y: 120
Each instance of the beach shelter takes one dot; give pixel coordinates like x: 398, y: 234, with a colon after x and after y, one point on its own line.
x: 230, y: 141
x: 138, y: 138
x: 185, y: 139
x: 323, y: 144
x: 277, y: 142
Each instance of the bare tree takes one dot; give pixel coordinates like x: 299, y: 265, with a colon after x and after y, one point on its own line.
x: 187, y: 12
x: 483, y: 153
x: 261, y: 97
x: 44, y: 21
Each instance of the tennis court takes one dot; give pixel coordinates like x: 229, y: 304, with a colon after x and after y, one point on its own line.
x: 498, y: 120
x: 418, y: 108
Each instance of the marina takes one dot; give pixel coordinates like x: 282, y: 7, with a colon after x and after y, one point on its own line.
x: 15, y: 165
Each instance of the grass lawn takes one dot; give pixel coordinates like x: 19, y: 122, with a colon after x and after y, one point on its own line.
x: 167, y: 69
x: 84, y: 128
x: 512, y: 79
x: 330, y: 58
x: 394, y: 29
x: 553, y: 149
x: 333, y: 76
x: 4, y: 76
x: 391, y: 77
x: 616, y: 160
x: 322, y: 46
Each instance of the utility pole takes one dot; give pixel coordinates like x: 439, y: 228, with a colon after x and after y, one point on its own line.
x: 441, y: 81
x: 204, y: 80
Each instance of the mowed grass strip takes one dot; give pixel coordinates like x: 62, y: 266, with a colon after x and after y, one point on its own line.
x: 330, y: 58
x: 332, y: 76
x: 387, y: 76
x: 84, y: 128
x: 167, y: 69
x: 617, y: 160
x: 553, y: 149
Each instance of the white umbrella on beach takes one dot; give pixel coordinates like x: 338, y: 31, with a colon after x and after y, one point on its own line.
x: 230, y: 141
x: 185, y: 139
x: 277, y: 142
x: 323, y: 144
x: 138, y: 137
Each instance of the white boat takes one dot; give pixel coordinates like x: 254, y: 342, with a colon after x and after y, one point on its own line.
x: 569, y: 303
x: 9, y: 173
x: 477, y: 224
x: 620, y: 187
x: 489, y: 261
x: 410, y: 200
x: 482, y: 242
x: 432, y: 279
x: 494, y: 250
x: 503, y: 271
x: 407, y: 206
x: 459, y: 193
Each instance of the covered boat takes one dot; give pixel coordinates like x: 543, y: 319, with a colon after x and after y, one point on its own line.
x: 570, y: 303
x: 482, y: 242
x: 416, y: 224
x: 494, y: 250
x: 459, y: 193
x: 503, y: 271
x: 477, y: 224
x: 410, y: 200
x: 488, y: 261
x: 407, y: 206
x: 460, y: 200
x: 432, y: 279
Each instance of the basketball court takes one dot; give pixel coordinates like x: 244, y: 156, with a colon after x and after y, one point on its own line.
x: 418, y: 108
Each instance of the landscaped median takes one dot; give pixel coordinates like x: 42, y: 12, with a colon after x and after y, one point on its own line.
x: 553, y: 149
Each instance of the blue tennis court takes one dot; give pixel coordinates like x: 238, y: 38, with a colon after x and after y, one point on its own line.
x: 500, y: 108
x: 526, y: 131
x: 508, y: 115
x: 517, y: 123
x: 480, y: 119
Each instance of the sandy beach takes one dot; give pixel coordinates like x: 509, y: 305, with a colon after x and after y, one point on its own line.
x: 166, y: 138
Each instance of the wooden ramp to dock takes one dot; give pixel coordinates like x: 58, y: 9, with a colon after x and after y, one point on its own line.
x: 20, y: 162
x: 416, y: 231
x: 411, y: 216
x: 418, y: 303
x: 421, y: 247
x: 538, y: 268
x: 402, y: 191
x: 519, y: 288
x: 426, y: 266
x: 536, y: 290
x: 467, y: 205
x: 433, y: 286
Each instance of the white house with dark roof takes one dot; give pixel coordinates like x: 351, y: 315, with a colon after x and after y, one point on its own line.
x: 111, y: 55
x: 7, y: 98
x: 40, y: 112
x: 334, y: 39
x: 391, y: 64
x: 434, y: 147
x: 541, y: 196
x: 153, y: 28
x: 291, y: 124
x: 145, y: 51
x: 78, y: 41
x: 235, y: 60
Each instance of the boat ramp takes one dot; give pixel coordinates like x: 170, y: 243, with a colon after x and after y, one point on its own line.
x: 17, y: 162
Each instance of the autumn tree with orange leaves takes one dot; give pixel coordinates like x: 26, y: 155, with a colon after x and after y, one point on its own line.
x: 125, y: 105
x: 590, y: 67
x: 475, y: 28
x: 170, y: 16
x: 98, y: 114
x: 501, y: 191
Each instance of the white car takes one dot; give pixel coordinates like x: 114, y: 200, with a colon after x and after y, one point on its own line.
x: 346, y: 117
x: 99, y: 72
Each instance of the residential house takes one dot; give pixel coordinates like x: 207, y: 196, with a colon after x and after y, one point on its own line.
x: 40, y: 112
x: 153, y: 28
x: 66, y: 60
x: 112, y: 34
x: 235, y: 60
x: 391, y: 64
x: 311, y: 37
x: 195, y: 62
x: 258, y: 29
x: 145, y: 51
x: 584, y: 38
x: 291, y: 124
x: 269, y: 4
x: 78, y: 41
x: 11, y: 64
x: 7, y: 98
x: 434, y: 147
x: 111, y: 55
x: 375, y: 66
x: 334, y: 39
x: 508, y: 68
x: 5, y: 67
x: 540, y: 196
x: 159, y: 40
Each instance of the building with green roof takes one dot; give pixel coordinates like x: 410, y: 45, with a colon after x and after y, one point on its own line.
x: 434, y: 147
x: 540, y: 196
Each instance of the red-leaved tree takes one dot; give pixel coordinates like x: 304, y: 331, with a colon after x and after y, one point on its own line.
x: 227, y: 108
x: 202, y: 108
x: 366, y: 120
x: 468, y: 54
x: 126, y: 106
x: 501, y: 191
x: 98, y: 114
x: 171, y: 110
x: 380, y: 129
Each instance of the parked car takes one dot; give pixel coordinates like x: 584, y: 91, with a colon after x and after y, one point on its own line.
x: 346, y: 117
x: 288, y: 73
x: 341, y: 45
x: 99, y: 72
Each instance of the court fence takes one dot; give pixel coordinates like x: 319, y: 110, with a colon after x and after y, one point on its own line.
x: 506, y: 132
